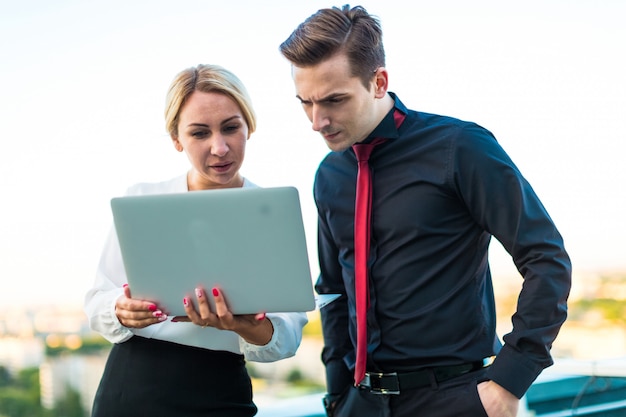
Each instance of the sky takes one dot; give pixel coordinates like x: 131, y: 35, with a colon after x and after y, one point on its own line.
x: 82, y: 92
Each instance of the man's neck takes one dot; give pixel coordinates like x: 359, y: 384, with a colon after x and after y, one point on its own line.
x: 386, y: 104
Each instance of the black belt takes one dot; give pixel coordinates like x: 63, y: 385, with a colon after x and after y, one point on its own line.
x: 393, y: 382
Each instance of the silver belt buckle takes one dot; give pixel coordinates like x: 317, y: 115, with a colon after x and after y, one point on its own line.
x: 381, y: 383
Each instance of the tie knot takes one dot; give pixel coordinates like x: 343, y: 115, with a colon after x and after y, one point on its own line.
x: 364, y: 150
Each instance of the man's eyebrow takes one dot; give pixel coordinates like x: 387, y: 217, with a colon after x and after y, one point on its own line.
x: 326, y: 98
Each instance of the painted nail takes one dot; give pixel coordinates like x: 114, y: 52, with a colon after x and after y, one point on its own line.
x: 185, y: 301
x: 125, y: 285
x: 157, y: 314
x: 152, y: 307
x: 216, y: 292
x: 198, y: 293
x: 260, y: 316
x: 163, y: 317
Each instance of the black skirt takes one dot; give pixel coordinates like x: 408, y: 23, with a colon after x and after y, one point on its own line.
x: 148, y: 377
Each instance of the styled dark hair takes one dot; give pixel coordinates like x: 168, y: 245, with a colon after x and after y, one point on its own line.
x: 335, y: 30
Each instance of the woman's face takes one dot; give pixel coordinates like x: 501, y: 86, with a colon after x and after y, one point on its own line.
x: 213, y: 133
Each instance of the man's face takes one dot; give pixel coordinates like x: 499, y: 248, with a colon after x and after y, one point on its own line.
x: 338, y: 105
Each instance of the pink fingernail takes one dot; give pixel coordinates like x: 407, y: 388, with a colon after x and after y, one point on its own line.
x: 125, y: 285
x: 152, y: 307
x: 216, y: 292
x: 157, y: 314
x: 185, y: 301
x: 198, y: 293
x: 260, y: 316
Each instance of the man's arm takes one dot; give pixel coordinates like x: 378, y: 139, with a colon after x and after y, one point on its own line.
x: 504, y: 204
x: 335, y: 318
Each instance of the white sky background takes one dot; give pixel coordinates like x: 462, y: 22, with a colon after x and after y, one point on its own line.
x: 82, y: 89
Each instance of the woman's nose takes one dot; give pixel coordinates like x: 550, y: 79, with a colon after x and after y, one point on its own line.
x: 219, y: 147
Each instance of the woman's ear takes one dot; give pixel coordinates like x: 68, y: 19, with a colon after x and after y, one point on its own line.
x: 177, y: 144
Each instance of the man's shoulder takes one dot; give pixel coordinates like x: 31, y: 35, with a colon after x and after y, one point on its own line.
x: 439, y: 119
x: 415, y: 116
x: 441, y: 126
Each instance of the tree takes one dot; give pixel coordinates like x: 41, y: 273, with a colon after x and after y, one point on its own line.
x: 70, y: 405
x: 5, y: 377
x: 20, y: 396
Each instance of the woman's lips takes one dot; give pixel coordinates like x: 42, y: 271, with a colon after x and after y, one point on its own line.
x: 222, y: 167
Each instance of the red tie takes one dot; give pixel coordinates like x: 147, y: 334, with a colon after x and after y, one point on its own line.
x: 362, y: 223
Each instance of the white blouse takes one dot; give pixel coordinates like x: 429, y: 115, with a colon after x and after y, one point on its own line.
x: 100, y: 304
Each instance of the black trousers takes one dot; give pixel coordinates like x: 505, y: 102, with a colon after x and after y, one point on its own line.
x: 457, y: 397
x: 148, y: 377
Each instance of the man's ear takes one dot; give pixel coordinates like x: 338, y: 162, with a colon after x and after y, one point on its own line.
x: 381, y: 82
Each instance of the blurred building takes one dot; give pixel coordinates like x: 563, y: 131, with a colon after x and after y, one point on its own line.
x: 20, y: 353
x: 80, y: 373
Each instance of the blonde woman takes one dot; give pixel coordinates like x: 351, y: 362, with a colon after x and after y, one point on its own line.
x: 194, y: 365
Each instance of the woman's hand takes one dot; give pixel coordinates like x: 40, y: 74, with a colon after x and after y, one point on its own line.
x: 253, y: 328
x: 137, y: 314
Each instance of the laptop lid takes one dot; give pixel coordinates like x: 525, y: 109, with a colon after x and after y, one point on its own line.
x: 249, y: 242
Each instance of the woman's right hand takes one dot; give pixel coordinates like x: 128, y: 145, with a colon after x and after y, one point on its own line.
x: 137, y: 314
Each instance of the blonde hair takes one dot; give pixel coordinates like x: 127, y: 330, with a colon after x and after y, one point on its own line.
x: 206, y: 78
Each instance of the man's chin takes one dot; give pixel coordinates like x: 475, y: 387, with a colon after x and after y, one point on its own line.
x: 337, y: 147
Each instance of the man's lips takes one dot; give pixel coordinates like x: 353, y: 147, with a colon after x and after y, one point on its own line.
x: 330, y: 136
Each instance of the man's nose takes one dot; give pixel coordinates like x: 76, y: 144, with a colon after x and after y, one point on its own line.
x: 319, y: 118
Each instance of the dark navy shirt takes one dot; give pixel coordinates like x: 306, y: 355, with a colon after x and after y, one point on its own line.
x: 442, y: 188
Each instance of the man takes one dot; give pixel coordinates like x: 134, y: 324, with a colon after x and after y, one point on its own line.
x: 423, y: 327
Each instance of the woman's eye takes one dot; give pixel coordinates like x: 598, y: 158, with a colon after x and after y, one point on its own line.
x: 231, y: 128
x: 199, y: 134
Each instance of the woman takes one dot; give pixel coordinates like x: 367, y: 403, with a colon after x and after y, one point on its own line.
x: 194, y: 365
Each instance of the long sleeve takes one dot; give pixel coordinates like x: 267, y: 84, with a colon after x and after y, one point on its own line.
x: 99, y: 303
x: 335, y: 317
x: 504, y: 204
x: 100, y: 299
x: 285, y: 340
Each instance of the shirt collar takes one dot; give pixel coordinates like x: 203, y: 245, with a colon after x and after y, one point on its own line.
x: 387, y: 127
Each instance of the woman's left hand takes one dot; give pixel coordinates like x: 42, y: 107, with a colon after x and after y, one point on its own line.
x: 254, y: 328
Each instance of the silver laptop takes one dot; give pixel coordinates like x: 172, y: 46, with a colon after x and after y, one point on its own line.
x: 249, y: 242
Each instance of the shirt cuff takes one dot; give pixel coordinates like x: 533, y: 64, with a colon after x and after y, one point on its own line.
x: 338, y: 377
x: 514, y: 371
x: 270, y: 352
x: 118, y: 333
